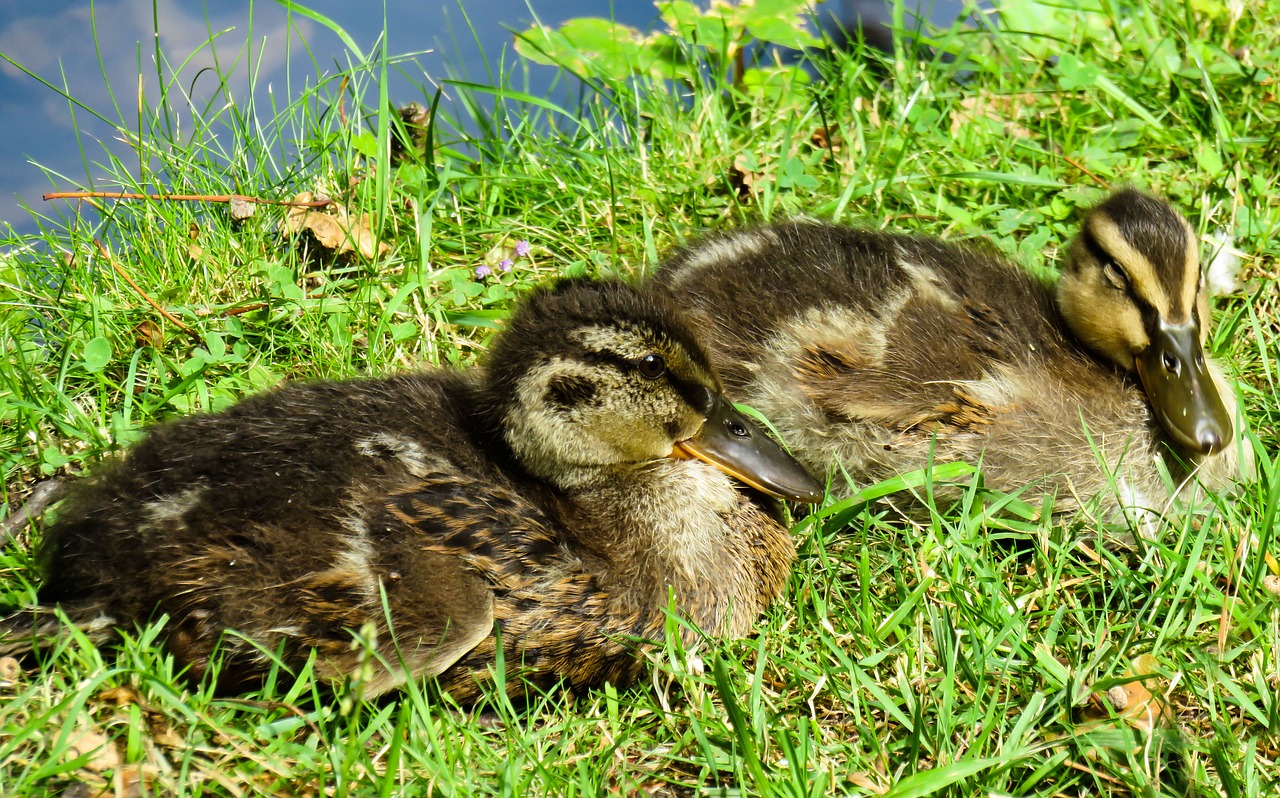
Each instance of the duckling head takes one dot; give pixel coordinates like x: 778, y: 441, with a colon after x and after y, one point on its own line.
x: 593, y: 376
x: 1133, y: 291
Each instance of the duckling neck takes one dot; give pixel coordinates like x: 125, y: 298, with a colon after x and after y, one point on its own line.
x: 672, y: 504
x: 681, y: 525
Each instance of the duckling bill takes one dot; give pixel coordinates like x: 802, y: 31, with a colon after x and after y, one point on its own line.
x: 879, y: 354
x: 731, y: 443
x: 1182, y: 392
x: 543, y: 501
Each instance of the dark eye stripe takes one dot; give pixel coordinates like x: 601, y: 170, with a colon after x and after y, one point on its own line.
x: 1150, y: 314
x: 695, y: 393
x: 1101, y: 255
x: 595, y: 357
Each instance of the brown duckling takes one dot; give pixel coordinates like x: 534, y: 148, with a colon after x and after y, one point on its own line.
x: 881, y: 353
x: 565, y: 493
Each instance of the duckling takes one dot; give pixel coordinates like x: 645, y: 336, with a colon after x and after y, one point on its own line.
x: 555, y: 503
x: 880, y: 353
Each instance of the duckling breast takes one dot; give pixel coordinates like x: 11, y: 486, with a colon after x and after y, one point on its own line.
x: 685, y: 526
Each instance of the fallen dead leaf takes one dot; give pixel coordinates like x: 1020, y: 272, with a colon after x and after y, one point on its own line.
x: 165, y: 736
x: 148, y: 333
x: 100, y: 750
x: 1271, y: 584
x: 742, y: 177
x: 133, y: 781
x: 1130, y: 703
x: 334, y: 228
x: 121, y: 696
x: 868, y: 781
x: 870, y: 109
x: 825, y: 139
x: 10, y: 669
x: 162, y: 733
x: 241, y: 209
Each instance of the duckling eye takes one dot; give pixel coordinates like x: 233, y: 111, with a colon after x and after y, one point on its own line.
x: 737, y: 429
x: 1115, y: 275
x: 651, y: 367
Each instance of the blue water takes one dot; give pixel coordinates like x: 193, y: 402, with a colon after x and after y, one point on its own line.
x: 56, y: 43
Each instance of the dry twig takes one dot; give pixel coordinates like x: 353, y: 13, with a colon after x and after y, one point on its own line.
x: 42, y: 495
x: 53, y: 195
x: 125, y: 275
x: 1091, y: 175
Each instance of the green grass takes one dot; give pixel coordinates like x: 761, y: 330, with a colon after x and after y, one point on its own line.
x: 957, y: 657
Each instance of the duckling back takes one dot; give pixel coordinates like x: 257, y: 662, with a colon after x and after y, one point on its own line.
x: 882, y: 353
x: 265, y: 519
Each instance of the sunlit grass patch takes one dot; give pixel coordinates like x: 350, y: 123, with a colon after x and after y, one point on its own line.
x: 971, y: 652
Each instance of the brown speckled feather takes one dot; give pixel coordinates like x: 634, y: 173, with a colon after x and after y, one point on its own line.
x: 885, y: 352
x: 423, y: 513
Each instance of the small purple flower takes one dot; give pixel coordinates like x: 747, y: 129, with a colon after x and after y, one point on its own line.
x: 522, y: 249
x: 505, y: 264
x: 483, y: 270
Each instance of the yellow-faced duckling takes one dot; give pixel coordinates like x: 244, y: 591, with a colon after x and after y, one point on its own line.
x: 881, y: 353
x: 566, y: 494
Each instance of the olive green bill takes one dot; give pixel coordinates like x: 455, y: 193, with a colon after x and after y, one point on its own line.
x: 1182, y: 391
x: 734, y: 444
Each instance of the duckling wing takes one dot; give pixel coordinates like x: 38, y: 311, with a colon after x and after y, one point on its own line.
x: 437, y: 610
x: 435, y: 553
x: 557, y: 619
x: 495, y: 532
x: 908, y: 372
x: 440, y: 551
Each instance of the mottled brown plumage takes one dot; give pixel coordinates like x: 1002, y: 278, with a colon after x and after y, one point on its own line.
x: 539, y: 493
x: 882, y: 353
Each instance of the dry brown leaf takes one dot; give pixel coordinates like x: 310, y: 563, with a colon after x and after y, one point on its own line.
x: 825, y: 139
x: 334, y: 228
x: 868, y: 781
x: 165, y: 736
x: 123, y: 696
x: 10, y: 669
x: 1271, y: 584
x: 134, y: 781
x: 1130, y: 702
x: 742, y: 178
x: 101, y: 751
x: 148, y: 333
x: 161, y: 732
x: 871, y: 110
